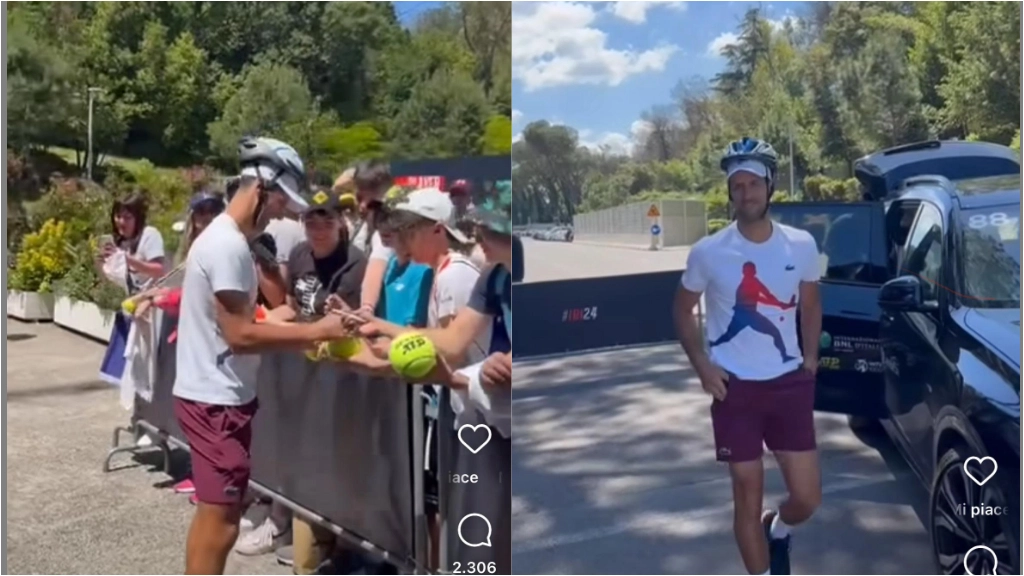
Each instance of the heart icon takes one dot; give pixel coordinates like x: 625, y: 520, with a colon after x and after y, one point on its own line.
x: 473, y: 430
x: 967, y: 470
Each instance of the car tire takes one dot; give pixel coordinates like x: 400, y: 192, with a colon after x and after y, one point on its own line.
x: 949, y: 488
x: 865, y: 427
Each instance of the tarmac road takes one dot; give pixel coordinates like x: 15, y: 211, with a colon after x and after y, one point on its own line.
x: 561, y: 260
x: 614, y: 471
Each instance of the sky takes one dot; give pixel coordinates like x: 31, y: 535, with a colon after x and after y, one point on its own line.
x: 596, y: 66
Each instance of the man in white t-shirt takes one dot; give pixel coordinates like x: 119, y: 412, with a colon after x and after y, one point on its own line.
x: 218, y: 345
x: 754, y: 275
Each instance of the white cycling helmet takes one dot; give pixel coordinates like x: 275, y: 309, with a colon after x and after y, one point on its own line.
x: 275, y: 163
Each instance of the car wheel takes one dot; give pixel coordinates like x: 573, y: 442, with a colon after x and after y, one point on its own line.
x: 954, y: 532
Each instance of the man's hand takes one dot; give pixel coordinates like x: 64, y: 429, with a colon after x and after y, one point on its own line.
x: 811, y: 364
x: 497, y: 370
x: 372, y: 328
x: 381, y: 347
x: 331, y: 327
x: 334, y: 303
x: 714, y: 380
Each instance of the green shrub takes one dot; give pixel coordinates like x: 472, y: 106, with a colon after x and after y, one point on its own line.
x: 42, y: 259
x: 83, y: 206
x: 825, y: 189
x: 1015, y: 143
x: 717, y: 203
x: 716, y: 224
x: 83, y: 281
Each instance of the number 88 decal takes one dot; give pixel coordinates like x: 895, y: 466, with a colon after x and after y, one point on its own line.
x: 995, y: 219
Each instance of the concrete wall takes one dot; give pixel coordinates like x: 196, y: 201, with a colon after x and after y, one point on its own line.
x: 682, y: 222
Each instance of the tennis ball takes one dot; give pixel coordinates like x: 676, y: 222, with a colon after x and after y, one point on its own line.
x: 129, y: 306
x: 412, y: 355
x: 344, y: 349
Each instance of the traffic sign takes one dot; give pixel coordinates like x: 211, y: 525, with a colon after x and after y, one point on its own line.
x: 653, y: 211
x: 655, y: 230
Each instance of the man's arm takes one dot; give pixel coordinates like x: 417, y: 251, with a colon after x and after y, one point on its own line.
x: 810, y: 305
x: 766, y: 297
x: 688, y: 328
x: 245, y: 336
x: 810, y: 320
x: 451, y: 341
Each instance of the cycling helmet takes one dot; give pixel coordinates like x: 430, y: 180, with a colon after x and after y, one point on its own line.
x: 752, y: 150
x: 275, y: 163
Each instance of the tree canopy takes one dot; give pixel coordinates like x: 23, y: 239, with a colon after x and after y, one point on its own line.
x: 181, y: 82
x: 845, y: 80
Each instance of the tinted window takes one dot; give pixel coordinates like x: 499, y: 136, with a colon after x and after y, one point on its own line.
x: 991, y: 257
x: 843, y: 235
x: 923, y: 255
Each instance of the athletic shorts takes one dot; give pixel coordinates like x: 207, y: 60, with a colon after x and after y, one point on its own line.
x: 219, y: 438
x: 777, y: 413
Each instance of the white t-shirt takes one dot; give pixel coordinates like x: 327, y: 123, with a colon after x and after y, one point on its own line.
x: 287, y: 234
x: 753, y: 338
x: 151, y: 247
x: 454, y: 282
x: 207, y: 370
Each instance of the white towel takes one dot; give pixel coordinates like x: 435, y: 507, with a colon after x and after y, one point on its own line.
x: 140, y: 360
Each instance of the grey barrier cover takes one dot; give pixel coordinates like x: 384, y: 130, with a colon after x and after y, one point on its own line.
x: 335, y: 442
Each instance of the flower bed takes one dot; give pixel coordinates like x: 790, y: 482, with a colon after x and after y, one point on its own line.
x: 30, y: 306
x: 84, y: 318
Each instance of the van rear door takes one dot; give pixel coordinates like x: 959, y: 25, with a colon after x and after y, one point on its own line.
x: 853, y: 256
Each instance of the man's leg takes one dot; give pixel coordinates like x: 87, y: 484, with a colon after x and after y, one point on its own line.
x: 747, y: 495
x: 213, y: 532
x: 738, y: 423
x: 790, y: 435
x: 803, y: 482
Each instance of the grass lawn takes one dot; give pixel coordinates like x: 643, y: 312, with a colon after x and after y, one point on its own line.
x: 68, y: 155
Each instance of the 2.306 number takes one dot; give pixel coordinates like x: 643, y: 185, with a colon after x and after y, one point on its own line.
x: 474, y: 568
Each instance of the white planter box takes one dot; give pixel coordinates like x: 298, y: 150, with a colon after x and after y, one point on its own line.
x: 85, y: 318
x: 30, y: 306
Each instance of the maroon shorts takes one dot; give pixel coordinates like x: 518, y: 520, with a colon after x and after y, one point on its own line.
x: 219, y: 438
x: 778, y: 413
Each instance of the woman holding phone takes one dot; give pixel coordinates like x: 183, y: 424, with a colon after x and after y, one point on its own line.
x: 142, y: 248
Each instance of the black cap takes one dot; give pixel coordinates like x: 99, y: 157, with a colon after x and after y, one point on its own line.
x: 323, y: 200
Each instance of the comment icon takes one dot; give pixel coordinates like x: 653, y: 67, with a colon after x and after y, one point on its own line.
x: 981, y: 563
x: 468, y: 539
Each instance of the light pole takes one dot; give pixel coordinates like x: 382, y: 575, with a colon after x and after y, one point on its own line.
x: 88, y: 158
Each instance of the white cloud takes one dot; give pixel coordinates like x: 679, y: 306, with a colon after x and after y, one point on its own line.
x: 716, y: 46
x: 557, y: 45
x: 636, y: 12
x: 516, y: 115
x: 615, y: 142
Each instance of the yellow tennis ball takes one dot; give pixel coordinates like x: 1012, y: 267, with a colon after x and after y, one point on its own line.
x: 129, y: 306
x: 344, y: 349
x: 412, y: 355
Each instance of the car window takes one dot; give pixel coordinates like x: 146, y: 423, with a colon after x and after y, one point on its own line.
x: 923, y: 254
x: 843, y: 233
x: 991, y: 257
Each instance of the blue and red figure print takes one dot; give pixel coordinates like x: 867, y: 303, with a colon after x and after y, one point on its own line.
x: 749, y: 294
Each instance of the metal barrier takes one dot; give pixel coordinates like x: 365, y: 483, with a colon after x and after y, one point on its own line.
x: 341, y: 449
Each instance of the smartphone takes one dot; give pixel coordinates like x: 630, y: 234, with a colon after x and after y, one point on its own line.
x: 106, y: 240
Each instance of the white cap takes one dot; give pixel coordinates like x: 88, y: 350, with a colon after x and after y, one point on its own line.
x: 296, y: 203
x: 753, y: 166
x: 436, y: 206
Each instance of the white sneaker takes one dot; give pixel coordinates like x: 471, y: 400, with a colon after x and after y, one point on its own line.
x: 255, y: 516
x: 261, y: 540
x: 144, y: 441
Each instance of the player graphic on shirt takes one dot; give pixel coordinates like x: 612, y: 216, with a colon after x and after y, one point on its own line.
x: 745, y: 315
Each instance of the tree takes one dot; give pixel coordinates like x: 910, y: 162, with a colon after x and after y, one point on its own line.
x: 443, y: 117
x: 497, y: 137
x: 269, y: 98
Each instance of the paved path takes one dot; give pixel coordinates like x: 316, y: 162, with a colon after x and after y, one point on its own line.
x: 63, y: 515
x: 561, y: 261
x: 614, y: 473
